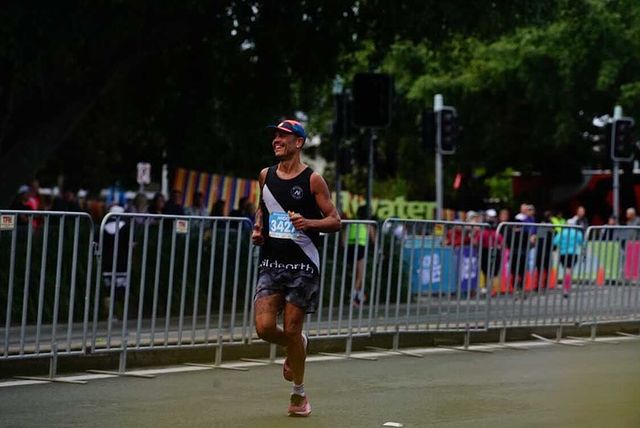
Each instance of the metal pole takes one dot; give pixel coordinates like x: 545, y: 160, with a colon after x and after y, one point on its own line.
x: 338, y: 180
x: 339, y: 106
x: 617, y: 113
x: 372, y: 136
x: 616, y: 189
x: 437, y: 108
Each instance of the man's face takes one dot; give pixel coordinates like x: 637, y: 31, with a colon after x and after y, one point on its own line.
x: 285, y: 144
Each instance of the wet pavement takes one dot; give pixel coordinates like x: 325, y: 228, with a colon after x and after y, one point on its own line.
x: 547, y: 385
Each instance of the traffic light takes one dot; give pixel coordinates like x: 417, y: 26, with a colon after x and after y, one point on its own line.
x: 372, y: 93
x: 342, y: 123
x: 428, y: 129
x: 448, y: 117
x: 622, y: 141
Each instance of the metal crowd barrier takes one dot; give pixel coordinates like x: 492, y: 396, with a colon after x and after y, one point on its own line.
x: 348, y: 267
x: 159, y: 281
x: 180, y: 281
x: 539, y: 267
x: 430, y: 277
x: 610, y: 276
x: 46, y: 262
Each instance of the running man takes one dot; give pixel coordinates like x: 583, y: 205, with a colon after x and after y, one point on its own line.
x: 295, y: 207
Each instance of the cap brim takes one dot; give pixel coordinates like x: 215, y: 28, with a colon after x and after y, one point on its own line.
x: 287, y: 130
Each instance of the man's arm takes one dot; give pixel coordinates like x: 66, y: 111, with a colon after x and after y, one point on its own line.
x: 256, y: 235
x: 331, y: 220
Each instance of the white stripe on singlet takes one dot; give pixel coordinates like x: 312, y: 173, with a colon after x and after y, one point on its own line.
x: 302, y: 240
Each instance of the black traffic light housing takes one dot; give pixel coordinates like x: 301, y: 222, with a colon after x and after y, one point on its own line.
x: 372, y: 94
x: 622, y: 142
x: 448, y: 118
x: 342, y: 121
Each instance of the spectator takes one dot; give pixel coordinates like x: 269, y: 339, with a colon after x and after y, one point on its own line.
x: 557, y: 219
x: 21, y: 203
x: 517, y: 241
x: 198, y: 207
x: 504, y: 216
x: 34, y: 195
x: 544, y: 248
x: 139, y: 205
x: 632, y: 218
x: 157, y: 204
x: 67, y: 202
x: 612, y: 233
x: 174, y: 204
x: 218, y: 208
x: 239, y: 212
x: 357, y: 239
x: 114, y: 271
x: 245, y: 209
x: 522, y: 215
x: 527, y: 214
x: 580, y: 219
x: 492, y: 217
x: 568, y: 241
x: 490, y: 243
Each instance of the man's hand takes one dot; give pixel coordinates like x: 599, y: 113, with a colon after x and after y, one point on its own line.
x: 256, y: 235
x: 299, y: 222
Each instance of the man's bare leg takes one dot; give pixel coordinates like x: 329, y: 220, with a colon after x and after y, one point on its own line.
x: 296, y: 353
x: 266, y: 319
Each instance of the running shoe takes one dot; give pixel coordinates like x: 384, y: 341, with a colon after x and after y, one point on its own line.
x: 287, y: 373
x: 299, y: 405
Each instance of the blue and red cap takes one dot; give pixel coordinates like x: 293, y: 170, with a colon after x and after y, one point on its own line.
x: 291, y: 127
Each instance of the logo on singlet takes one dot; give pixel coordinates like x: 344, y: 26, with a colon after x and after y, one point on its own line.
x: 296, y: 192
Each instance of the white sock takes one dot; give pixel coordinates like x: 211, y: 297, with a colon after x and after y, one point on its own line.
x: 298, y: 390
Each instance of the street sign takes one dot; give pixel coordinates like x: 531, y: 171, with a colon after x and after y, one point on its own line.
x: 144, y: 173
x: 7, y: 222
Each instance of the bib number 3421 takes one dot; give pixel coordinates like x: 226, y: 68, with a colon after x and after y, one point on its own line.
x: 280, y: 226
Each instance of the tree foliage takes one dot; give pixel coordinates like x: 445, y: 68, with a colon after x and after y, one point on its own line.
x: 92, y: 88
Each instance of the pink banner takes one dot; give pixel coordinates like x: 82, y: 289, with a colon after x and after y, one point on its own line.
x: 632, y: 260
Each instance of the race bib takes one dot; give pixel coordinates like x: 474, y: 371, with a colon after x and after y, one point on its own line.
x: 281, y: 227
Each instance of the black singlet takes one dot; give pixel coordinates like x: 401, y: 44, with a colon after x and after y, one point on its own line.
x: 284, y: 246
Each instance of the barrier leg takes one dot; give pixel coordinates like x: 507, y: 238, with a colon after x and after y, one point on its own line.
x: 122, y: 366
x: 592, y: 337
x: 558, y: 339
x: 271, y: 360
x: 622, y: 333
x: 53, y: 366
x: 347, y: 354
x: 465, y: 347
x: 503, y: 342
x: 218, y: 362
x: 395, y: 348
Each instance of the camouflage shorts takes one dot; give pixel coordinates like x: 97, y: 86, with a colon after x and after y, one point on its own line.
x: 298, y: 287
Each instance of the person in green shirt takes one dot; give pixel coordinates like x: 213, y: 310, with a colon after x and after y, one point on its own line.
x: 357, y: 236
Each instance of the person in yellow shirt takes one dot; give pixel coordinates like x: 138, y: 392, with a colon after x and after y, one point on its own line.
x: 357, y: 236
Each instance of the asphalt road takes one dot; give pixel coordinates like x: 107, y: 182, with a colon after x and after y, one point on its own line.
x: 548, y: 385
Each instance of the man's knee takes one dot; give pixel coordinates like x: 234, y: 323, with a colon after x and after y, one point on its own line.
x: 293, y: 331
x: 265, y: 331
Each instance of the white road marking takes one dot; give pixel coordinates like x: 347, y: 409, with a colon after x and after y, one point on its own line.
x: 315, y: 358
